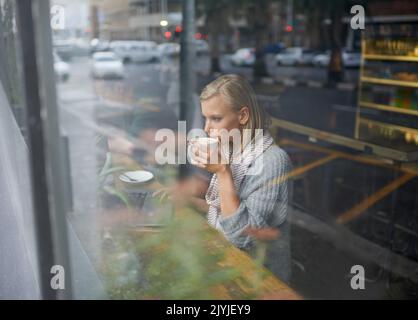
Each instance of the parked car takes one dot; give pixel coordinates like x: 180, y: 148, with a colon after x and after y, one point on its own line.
x: 202, y: 47
x: 97, y: 45
x: 168, y: 49
x: 322, y: 59
x: 61, y: 68
x: 107, y: 64
x: 135, y: 51
x: 274, y: 48
x: 295, y: 55
x: 243, y: 57
x: 351, y: 59
x: 64, y: 48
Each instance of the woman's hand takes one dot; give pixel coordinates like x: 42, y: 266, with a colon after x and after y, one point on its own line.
x: 214, y: 163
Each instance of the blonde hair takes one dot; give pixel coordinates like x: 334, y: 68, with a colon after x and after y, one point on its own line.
x: 238, y: 93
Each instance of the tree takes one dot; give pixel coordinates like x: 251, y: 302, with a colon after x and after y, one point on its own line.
x: 336, y: 65
x: 216, y: 14
x: 314, y: 17
x: 259, y: 19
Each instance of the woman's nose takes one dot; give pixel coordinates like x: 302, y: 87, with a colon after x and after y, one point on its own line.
x: 207, y: 127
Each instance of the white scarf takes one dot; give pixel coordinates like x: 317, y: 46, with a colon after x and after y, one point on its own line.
x: 239, y: 166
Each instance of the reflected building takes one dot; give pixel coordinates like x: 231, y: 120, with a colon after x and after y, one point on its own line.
x: 134, y: 19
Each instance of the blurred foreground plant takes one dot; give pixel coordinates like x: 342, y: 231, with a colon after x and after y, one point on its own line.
x: 107, y: 170
x: 182, y: 261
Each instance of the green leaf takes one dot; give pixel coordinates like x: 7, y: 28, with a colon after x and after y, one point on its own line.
x: 118, y: 194
x: 103, y: 175
x: 107, y: 164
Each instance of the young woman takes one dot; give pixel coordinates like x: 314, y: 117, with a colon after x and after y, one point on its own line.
x: 248, y: 193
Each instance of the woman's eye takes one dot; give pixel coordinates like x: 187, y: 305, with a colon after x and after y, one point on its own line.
x: 216, y: 119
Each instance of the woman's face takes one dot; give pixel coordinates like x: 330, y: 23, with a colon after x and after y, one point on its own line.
x: 218, y: 115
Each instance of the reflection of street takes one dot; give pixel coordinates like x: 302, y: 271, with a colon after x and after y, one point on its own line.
x: 315, y: 75
x: 150, y: 79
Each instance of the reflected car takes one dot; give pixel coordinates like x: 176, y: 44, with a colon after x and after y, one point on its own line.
x: 107, y: 65
x: 274, y: 48
x: 99, y: 46
x: 294, y: 56
x: 322, y: 59
x: 202, y: 47
x: 168, y: 49
x: 64, y: 48
x: 136, y: 51
x: 61, y: 68
x: 351, y: 59
x: 243, y: 57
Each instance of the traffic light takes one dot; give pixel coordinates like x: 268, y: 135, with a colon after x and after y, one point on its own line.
x: 177, y: 31
x: 167, y: 35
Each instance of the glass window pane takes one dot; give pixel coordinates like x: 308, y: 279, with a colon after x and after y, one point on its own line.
x: 320, y: 178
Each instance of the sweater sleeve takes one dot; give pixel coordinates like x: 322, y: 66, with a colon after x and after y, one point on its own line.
x: 265, y: 201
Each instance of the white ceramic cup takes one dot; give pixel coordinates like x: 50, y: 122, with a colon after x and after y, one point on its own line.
x: 204, y: 144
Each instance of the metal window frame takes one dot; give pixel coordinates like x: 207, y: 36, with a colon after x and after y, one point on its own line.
x: 45, y: 144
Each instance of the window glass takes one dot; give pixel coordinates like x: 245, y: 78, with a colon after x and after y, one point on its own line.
x: 315, y: 193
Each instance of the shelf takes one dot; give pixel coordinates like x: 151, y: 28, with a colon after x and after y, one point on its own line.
x: 390, y: 82
x: 388, y: 135
x: 355, y: 144
x: 389, y: 57
x: 388, y: 108
x: 389, y: 125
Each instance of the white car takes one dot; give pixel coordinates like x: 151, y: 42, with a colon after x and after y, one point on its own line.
x: 61, y: 68
x: 351, y: 59
x: 322, y: 59
x: 98, y: 46
x: 243, y: 57
x: 295, y: 55
x: 107, y: 64
x: 289, y: 56
x: 136, y: 51
x: 64, y: 48
x: 168, y: 49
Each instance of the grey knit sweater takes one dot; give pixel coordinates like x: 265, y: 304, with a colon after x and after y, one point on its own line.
x: 263, y: 203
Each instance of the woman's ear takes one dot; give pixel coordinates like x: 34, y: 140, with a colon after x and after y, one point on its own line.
x: 244, y: 115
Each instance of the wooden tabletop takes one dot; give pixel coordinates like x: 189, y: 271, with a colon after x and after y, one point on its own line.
x: 191, y: 237
x: 191, y: 234
x: 254, y: 280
